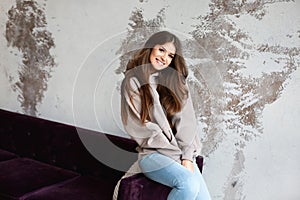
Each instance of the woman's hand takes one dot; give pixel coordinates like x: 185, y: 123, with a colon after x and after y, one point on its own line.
x: 188, y: 164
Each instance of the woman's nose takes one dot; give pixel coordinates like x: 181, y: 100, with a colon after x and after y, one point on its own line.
x: 164, y: 57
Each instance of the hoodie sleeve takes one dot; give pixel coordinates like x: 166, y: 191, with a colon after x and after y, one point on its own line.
x: 149, y: 135
x: 186, y: 127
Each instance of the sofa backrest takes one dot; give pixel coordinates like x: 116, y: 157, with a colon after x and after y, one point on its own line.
x: 60, y: 144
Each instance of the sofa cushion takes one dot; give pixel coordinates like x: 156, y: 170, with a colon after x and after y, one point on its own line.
x: 6, y: 155
x: 22, y: 175
x: 80, y: 188
x: 61, y: 145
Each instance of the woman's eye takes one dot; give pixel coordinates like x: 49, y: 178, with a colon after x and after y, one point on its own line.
x: 161, y: 50
x: 171, y: 56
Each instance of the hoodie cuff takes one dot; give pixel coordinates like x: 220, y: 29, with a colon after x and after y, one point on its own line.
x: 188, y: 154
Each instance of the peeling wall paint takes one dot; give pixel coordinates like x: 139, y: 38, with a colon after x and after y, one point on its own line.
x: 245, y: 97
x: 26, y: 30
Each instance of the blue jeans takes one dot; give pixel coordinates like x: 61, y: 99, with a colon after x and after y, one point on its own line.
x: 186, y: 185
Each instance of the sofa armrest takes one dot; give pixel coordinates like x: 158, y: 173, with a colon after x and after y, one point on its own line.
x: 139, y: 187
x: 200, y: 162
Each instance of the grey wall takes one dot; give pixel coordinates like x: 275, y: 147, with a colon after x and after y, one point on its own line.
x: 62, y: 61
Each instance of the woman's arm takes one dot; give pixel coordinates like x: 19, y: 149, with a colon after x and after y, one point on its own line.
x: 187, y: 134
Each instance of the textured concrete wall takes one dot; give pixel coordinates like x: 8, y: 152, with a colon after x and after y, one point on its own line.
x: 62, y: 60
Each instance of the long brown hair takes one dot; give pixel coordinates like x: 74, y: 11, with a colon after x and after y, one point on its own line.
x: 171, y: 82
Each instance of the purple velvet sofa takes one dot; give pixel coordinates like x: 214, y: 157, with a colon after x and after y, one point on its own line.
x: 46, y: 160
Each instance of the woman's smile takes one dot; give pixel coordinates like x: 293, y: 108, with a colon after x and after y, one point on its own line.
x: 160, y: 62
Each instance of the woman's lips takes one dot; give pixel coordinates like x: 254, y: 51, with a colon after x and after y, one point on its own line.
x: 160, y: 62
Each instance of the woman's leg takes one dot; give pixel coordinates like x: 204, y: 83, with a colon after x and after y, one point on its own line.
x: 166, y: 171
x: 203, y: 193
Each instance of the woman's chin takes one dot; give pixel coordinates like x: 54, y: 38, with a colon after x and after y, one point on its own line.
x: 159, y: 67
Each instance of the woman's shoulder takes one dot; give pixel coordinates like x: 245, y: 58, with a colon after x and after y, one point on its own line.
x: 133, y: 84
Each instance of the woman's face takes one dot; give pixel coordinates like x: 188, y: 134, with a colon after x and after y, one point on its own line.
x: 162, y: 55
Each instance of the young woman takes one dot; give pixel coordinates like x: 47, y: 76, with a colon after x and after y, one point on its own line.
x: 157, y: 112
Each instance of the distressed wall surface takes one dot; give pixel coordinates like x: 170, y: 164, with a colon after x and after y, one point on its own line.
x: 63, y: 61
x: 26, y: 30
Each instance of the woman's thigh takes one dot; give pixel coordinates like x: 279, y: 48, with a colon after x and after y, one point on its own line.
x: 165, y: 170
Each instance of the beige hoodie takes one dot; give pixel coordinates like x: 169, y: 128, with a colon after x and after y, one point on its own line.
x: 156, y: 135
